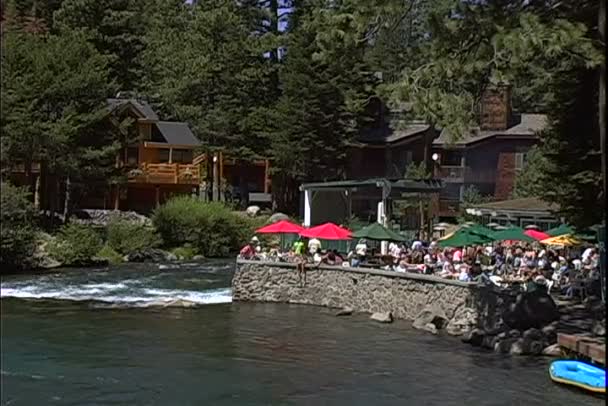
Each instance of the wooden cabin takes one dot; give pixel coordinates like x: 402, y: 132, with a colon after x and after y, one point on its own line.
x: 160, y: 164
x: 162, y: 160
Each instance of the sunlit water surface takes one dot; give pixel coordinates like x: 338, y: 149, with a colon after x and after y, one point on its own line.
x: 118, y: 337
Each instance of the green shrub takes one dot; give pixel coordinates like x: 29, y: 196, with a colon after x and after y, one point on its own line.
x: 17, y: 228
x: 76, y: 244
x: 184, y: 252
x: 212, y: 228
x: 109, y: 255
x: 126, y: 237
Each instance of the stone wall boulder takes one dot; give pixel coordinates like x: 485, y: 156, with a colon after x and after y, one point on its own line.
x: 464, y: 320
x: 431, y: 314
x: 531, y: 310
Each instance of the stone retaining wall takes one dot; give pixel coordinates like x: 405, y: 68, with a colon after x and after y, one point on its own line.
x: 405, y: 295
x: 506, y: 321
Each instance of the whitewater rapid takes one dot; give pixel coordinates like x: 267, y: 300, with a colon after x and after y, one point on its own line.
x: 156, y: 287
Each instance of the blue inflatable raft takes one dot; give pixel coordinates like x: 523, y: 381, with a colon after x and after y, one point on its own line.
x: 579, y: 374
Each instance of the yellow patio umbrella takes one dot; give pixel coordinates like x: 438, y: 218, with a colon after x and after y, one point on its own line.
x: 566, y: 240
x: 445, y: 237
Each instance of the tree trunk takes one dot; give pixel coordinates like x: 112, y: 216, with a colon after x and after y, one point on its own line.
x: 285, y: 194
x: 421, y: 208
x: 37, y: 193
x: 66, y: 200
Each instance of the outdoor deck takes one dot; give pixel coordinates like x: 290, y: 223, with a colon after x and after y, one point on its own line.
x: 588, y: 347
x: 174, y: 173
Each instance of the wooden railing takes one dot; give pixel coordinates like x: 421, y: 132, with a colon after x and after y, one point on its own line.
x: 20, y: 168
x: 464, y: 174
x: 199, y: 159
x: 450, y: 172
x: 188, y: 174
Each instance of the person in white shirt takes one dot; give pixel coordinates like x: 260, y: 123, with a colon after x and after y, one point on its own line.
x: 586, y: 254
x: 464, y: 275
x: 361, y: 248
x: 314, y: 246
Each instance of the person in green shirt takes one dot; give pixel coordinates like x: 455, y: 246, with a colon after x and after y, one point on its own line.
x: 298, y: 247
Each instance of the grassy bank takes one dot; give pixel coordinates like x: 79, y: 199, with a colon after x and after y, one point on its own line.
x: 184, y: 227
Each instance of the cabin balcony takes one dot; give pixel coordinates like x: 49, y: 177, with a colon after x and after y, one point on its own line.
x: 451, y: 173
x: 165, y: 173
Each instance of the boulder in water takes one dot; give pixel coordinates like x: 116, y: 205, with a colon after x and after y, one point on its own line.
x: 347, y: 311
x: 474, y: 337
x: 531, y: 310
x: 533, y: 334
x: 524, y: 346
x: 150, y: 255
x: 430, y: 314
x: 554, y: 350
x: 430, y: 327
x: 382, y: 317
x: 180, y: 303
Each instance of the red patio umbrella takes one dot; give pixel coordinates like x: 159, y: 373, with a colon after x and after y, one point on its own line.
x: 280, y: 227
x: 537, y: 235
x: 327, y: 231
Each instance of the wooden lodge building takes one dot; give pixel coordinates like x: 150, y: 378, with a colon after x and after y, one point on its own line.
x: 489, y: 157
x: 164, y: 159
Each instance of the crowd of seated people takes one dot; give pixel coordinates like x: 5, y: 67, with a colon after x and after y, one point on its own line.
x: 571, y: 273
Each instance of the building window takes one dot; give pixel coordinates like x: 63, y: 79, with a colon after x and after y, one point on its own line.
x: 163, y: 156
x: 408, y: 157
x: 178, y: 156
x: 132, y: 156
x: 451, y: 158
x: 182, y: 156
x: 520, y: 160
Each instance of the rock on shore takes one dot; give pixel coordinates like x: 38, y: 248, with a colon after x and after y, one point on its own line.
x: 431, y: 315
x: 382, y: 317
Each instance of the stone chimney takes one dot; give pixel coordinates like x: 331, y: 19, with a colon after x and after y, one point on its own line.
x: 495, y: 108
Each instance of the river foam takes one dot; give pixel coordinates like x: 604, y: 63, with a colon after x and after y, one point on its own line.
x: 150, y: 289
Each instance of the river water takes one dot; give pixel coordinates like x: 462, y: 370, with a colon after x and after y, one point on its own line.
x: 107, y: 337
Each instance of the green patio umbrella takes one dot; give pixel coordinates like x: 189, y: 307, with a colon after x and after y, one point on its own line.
x: 377, y: 231
x: 560, y: 230
x: 513, y: 234
x: 481, y: 230
x: 463, y: 238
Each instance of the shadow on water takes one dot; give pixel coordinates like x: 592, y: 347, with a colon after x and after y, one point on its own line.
x: 73, y: 352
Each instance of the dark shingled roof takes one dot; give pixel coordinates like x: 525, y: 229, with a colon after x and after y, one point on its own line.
x: 389, y: 136
x: 528, y: 126
x: 525, y: 204
x: 142, y: 107
x: 177, y: 133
